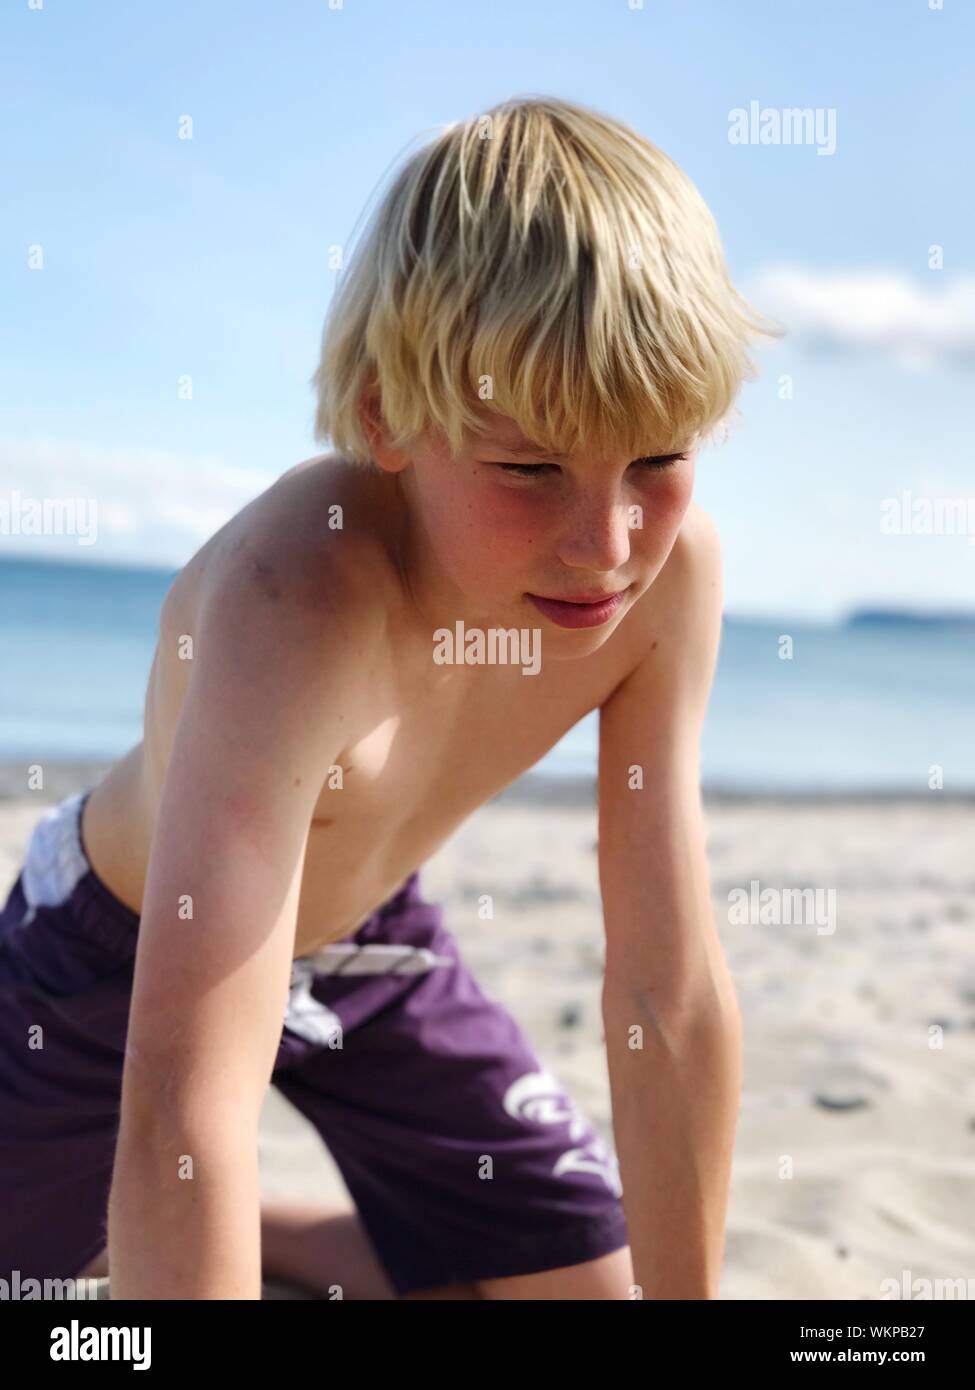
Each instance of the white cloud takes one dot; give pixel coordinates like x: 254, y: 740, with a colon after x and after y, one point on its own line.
x: 919, y: 324
x: 153, y: 506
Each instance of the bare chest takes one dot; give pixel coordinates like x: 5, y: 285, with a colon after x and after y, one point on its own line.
x: 418, y: 762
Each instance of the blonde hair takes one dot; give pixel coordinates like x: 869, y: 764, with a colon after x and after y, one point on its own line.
x: 545, y: 261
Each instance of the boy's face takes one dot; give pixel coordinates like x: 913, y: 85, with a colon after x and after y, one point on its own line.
x: 510, y: 536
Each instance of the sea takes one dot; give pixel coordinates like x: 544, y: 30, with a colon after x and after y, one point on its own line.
x: 880, y: 702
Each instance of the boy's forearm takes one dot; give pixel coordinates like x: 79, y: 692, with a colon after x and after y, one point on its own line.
x: 175, y: 1236
x: 675, y: 1107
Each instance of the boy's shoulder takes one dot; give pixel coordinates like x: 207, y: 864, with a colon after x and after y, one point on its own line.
x: 301, y: 568
x: 311, y: 543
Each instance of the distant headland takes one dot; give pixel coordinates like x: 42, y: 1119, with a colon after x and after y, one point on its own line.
x: 906, y: 617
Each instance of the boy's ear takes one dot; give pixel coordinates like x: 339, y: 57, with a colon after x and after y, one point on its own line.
x: 370, y: 414
x: 390, y: 460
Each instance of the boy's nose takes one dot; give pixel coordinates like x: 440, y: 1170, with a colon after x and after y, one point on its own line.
x: 596, y: 536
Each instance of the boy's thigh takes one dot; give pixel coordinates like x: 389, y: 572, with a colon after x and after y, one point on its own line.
x: 467, y: 1159
x: 57, y: 1155
x: 63, y: 1019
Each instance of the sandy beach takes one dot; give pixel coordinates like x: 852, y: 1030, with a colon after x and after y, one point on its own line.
x: 855, y: 1154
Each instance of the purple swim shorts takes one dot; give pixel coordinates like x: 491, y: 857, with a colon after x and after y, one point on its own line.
x: 464, y: 1156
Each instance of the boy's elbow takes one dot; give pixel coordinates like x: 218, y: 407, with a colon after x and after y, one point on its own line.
x: 700, y: 999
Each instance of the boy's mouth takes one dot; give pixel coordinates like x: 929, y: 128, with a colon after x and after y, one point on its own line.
x: 587, y: 610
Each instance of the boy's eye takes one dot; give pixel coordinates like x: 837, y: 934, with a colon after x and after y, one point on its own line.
x: 661, y: 460
x: 524, y: 470
x: 529, y: 470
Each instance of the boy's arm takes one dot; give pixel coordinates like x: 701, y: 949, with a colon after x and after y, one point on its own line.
x: 259, y: 725
x: 670, y: 1015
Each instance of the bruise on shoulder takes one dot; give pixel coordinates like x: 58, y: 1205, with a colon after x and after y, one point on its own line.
x: 264, y: 576
x: 246, y: 557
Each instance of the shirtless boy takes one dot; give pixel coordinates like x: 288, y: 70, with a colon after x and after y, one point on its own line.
x: 519, y: 368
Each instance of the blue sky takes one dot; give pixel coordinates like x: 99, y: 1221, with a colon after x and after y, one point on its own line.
x: 209, y: 257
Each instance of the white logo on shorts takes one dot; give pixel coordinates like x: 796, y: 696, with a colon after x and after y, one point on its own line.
x: 538, y: 1097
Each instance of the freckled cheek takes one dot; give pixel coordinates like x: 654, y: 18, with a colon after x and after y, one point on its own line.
x: 483, y: 533
x: 663, y: 511
x: 670, y: 502
x: 499, y: 515
x: 676, y: 487
x: 520, y: 512
x: 522, y: 527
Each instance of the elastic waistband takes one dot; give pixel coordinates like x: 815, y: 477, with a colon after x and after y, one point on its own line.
x: 57, y: 872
